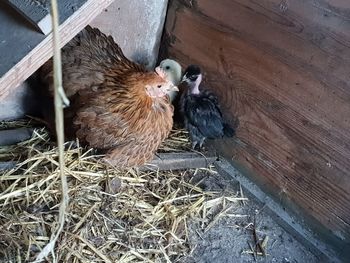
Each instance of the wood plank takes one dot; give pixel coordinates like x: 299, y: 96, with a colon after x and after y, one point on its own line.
x: 14, y: 136
x: 36, y: 12
x: 5, y: 166
x: 32, y: 48
x: 180, y: 161
x: 284, y: 71
x: 139, y: 43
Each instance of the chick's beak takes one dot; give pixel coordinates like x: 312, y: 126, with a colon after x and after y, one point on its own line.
x: 184, y: 78
x: 170, y: 86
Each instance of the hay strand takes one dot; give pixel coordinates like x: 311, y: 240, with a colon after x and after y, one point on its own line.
x: 113, y: 216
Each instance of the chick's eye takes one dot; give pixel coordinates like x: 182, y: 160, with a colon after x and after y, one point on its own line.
x: 167, y: 67
x: 159, y: 86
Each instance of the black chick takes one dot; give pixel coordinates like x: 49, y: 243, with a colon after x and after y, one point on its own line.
x: 200, y: 109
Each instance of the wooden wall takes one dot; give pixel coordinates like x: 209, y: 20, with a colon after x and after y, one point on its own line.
x: 283, y: 69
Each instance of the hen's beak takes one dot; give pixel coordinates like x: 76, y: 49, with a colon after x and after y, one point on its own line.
x: 174, y: 88
x: 170, y: 87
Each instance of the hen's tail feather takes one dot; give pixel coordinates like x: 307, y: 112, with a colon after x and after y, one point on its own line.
x: 228, y: 130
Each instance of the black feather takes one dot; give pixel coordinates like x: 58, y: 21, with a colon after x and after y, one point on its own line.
x: 202, y: 113
x: 228, y: 130
x: 192, y: 70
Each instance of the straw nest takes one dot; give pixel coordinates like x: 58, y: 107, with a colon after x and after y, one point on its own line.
x: 113, y: 216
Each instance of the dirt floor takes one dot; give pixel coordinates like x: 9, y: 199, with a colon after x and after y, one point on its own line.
x: 228, y: 240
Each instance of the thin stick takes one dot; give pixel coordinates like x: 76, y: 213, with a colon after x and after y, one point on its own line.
x: 257, y: 243
x: 60, y: 99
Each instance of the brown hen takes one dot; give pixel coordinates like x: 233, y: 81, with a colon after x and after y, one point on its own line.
x: 116, y: 105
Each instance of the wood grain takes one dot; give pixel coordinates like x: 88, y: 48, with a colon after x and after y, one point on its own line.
x: 32, y: 49
x: 282, y: 68
x: 36, y: 12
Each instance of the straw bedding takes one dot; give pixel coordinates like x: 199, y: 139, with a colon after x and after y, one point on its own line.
x: 113, y: 216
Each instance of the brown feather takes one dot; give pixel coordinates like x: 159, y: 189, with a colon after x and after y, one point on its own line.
x: 110, y: 108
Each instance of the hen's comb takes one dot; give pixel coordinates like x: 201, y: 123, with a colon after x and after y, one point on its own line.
x: 161, y: 73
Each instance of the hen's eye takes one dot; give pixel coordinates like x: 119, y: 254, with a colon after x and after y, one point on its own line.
x: 159, y: 86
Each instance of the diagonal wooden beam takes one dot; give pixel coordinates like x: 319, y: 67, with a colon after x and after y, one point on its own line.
x: 43, y: 50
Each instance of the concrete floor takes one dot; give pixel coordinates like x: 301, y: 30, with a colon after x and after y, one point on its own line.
x: 227, y: 241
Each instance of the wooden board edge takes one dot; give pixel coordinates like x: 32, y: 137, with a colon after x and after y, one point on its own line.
x: 36, y: 14
x: 179, y: 161
x: 6, y: 166
x: 14, y: 136
x: 42, y: 52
